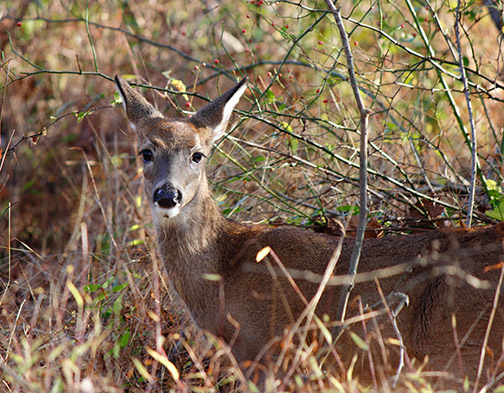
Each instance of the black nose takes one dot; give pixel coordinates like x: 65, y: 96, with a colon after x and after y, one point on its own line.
x: 167, y: 197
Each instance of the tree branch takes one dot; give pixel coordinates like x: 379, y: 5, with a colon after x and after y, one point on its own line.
x: 361, y: 228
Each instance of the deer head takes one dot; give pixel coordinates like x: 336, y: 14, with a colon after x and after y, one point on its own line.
x: 175, y: 151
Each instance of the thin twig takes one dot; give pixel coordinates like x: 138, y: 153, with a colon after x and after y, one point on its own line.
x: 95, y: 61
x: 474, y: 157
x: 403, y: 300
x: 361, y: 228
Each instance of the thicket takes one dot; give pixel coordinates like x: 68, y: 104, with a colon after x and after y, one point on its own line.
x: 84, y: 304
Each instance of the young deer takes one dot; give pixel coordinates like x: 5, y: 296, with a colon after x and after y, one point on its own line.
x: 248, y: 307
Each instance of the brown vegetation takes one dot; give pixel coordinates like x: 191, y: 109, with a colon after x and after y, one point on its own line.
x: 84, y: 301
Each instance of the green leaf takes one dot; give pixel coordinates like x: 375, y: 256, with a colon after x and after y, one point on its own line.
x: 354, y: 209
x: 359, y: 341
x: 500, y: 389
x: 491, y: 184
x: 293, y: 144
x: 135, y: 242
x: 92, y: 287
x: 286, y: 126
x: 392, y: 126
x: 252, y: 387
x: 497, y: 213
x: 177, y: 83
x: 82, y: 115
x: 124, y: 340
x: 270, y: 96
x: 120, y: 287
x: 116, y: 161
x: 138, y: 201
x: 118, y: 305
x: 467, y: 384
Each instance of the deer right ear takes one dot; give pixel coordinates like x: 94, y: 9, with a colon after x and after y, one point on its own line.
x: 139, y: 111
x: 215, y: 115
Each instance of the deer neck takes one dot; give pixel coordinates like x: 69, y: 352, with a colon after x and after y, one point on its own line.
x: 189, y: 245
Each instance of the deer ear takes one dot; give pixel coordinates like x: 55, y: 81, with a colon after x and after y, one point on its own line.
x: 139, y: 111
x: 215, y: 115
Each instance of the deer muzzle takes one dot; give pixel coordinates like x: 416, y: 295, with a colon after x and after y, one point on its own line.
x: 167, y: 197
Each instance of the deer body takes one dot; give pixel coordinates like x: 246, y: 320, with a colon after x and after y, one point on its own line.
x: 212, y: 261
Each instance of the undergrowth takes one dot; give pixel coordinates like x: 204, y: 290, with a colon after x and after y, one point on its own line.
x: 85, y: 304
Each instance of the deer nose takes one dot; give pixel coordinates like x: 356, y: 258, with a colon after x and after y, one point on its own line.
x: 167, y: 197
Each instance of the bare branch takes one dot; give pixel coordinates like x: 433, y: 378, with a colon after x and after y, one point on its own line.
x: 364, y: 116
x: 474, y: 157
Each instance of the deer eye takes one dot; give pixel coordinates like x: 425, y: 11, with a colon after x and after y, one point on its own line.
x: 146, y: 155
x: 196, y: 157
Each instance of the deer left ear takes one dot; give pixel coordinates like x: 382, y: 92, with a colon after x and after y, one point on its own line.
x: 140, y: 112
x: 217, y: 113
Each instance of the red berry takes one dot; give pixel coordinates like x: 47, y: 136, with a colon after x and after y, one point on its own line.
x: 196, y: 67
x: 320, y: 43
x: 244, y: 31
x: 248, y: 16
x: 302, y: 97
x: 272, y: 23
x: 355, y: 43
x: 203, y: 64
x: 269, y: 73
x: 286, y: 26
x: 18, y: 24
x: 325, y: 101
x: 216, y: 61
x: 318, y: 90
x: 402, y: 26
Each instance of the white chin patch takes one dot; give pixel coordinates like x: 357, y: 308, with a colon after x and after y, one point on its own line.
x: 161, y: 212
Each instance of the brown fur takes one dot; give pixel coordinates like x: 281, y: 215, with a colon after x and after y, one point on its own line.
x: 199, y: 242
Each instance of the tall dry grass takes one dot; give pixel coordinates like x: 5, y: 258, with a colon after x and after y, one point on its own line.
x: 84, y: 304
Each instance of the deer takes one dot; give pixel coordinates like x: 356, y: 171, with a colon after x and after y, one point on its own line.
x: 213, y: 263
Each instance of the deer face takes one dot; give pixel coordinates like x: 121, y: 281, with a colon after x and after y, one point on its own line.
x: 174, y: 152
x: 174, y: 157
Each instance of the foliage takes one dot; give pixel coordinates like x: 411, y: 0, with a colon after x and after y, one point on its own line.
x: 84, y: 304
